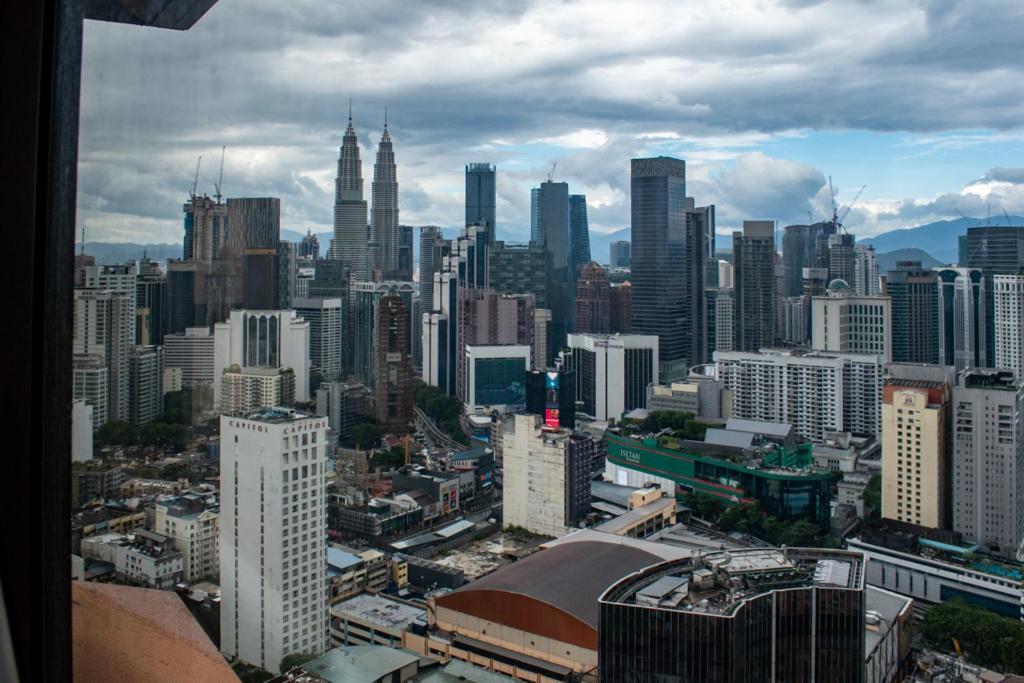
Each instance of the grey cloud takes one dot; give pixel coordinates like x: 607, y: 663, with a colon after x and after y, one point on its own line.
x: 1006, y: 174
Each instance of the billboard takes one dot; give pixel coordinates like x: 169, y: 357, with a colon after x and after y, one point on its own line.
x: 551, y: 400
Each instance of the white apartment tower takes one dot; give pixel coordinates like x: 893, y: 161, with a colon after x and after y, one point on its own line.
x: 105, y: 329
x: 195, y: 531
x: 817, y: 392
x: 192, y: 352
x: 847, y: 323
x: 1009, y: 322
x: 273, y: 536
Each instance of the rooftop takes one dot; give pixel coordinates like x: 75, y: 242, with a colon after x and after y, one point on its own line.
x: 359, y: 664
x: 719, y: 582
x: 381, y: 611
x: 276, y: 415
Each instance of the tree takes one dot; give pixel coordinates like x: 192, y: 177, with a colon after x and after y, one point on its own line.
x: 987, y: 638
x: 366, y: 435
x: 117, y: 432
x: 705, y: 506
x: 289, y: 662
x: 872, y: 495
x: 178, y: 407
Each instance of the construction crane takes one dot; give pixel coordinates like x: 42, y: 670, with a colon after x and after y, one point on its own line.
x: 195, y: 182
x: 220, y: 177
x: 552, y: 173
x: 837, y: 220
x: 1009, y: 224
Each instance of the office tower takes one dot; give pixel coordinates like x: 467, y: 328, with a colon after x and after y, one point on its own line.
x: 184, y: 310
x: 273, y: 537
x: 485, y: 319
x: 995, y: 250
x: 350, y: 239
x: 865, y: 270
x: 392, y: 386
x: 433, y: 248
x: 260, y: 279
x: 151, y: 303
x: 667, y: 262
x: 823, y: 391
x: 81, y: 431
x: 725, y: 321
x: 726, y: 275
x: 849, y: 323
x: 384, y: 231
x: 1008, y: 326
x: 593, y: 297
x: 963, y: 309
x: 914, y: 293
x: 253, y: 223
x: 618, y: 254
x: 553, y: 217
x: 840, y: 257
x: 579, y: 234
x: 309, y: 247
x: 799, y: 617
x: 146, y: 384
x: 754, y: 293
x: 330, y: 280
x: 803, y: 246
x: 481, y: 197
x: 546, y: 476
x: 795, y: 315
x: 518, y: 269
x: 192, y: 352
x: 988, y: 460
x: 326, y: 342
x: 535, y: 235
x: 551, y: 394
x: 541, y: 329
x: 620, y: 308
x: 917, y: 444
x: 274, y: 340
x: 364, y: 328
x: 405, y: 269
x: 104, y: 327
x: 91, y: 384
x: 287, y: 274
x: 494, y: 376
x: 612, y: 372
x: 345, y: 404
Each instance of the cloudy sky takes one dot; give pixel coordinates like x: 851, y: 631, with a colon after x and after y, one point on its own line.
x: 919, y: 100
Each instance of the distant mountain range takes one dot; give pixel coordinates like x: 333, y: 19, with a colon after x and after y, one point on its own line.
x: 939, y: 238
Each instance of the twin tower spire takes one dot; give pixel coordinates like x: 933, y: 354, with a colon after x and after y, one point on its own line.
x: 366, y: 246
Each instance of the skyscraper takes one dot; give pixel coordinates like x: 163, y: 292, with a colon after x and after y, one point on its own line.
x: 865, y: 270
x: 988, y: 460
x: 364, y: 328
x: 535, y: 214
x: 620, y: 308
x: 517, y: 269
x: 553, y: 227
x: 914, y: 293
x: 405, y: 237
x: 840, y: 258
x: 995, y: 250
x: 326, y: 343
x: 350, y: 237
x: 755, y: 296
x: 273, y: 549
x: 392, y: 386
x: 963, y: 319
x: 845, y: 322
x: 612, y: 372
x: 309, y: 247
x: 659, y: 260
x: 481, y: 197
x: 384, y: 232
x: 618, y: 254
x: 803, y: 246
x: 433, y: 247
x: 104, y: 329
x: 592, y: 300
x: 145, y: 385
x: 579, y: 235
x: 1009, y: 322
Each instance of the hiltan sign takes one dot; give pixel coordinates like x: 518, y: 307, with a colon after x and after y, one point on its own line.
x: 629, y: 455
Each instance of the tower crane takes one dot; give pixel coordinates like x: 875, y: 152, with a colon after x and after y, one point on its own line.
x: 552, y: 173
x: 837, y: 220
x: 220, y: 177
x: 195, y: 182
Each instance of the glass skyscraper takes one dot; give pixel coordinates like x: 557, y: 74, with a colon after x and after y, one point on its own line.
x: 579, y: 234
x: 659, y: 250
x: 553, y: 226
x: 481, y: 197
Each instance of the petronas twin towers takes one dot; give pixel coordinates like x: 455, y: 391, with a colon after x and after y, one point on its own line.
x: 365, y: 247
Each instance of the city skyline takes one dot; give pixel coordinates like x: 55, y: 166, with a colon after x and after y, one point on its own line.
x: 751, y: 150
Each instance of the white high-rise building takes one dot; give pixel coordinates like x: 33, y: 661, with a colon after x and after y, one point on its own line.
x: 92, y: 385
x: 244, y: 390
x: 325, y: 334
x: 865, y: 271
x: 1009, y: 322
x: 192, y: 352
x: 81, y: 431
x: 726, y: 275
x: 817, y: 392
x: 725, y: 323
x: 146, y: 385
x: 105, y: 328
x: 988, y: 460
x: 847, y: 323
x: 613, y: 372
x: 273, y: 536
x: 195, y: 531
x: 262, y: 339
